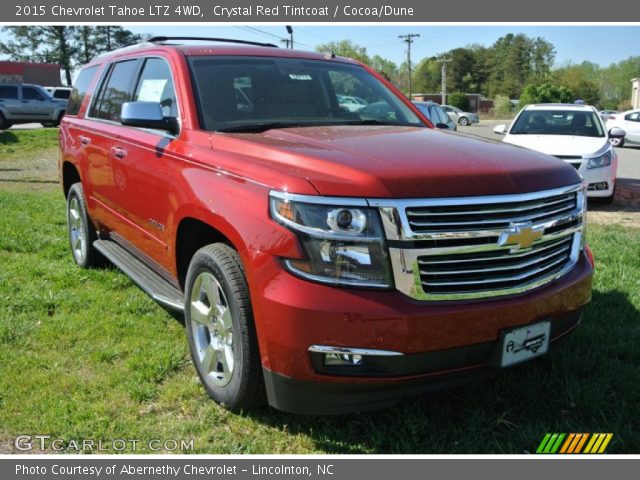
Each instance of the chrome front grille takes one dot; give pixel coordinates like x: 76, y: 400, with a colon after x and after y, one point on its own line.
x: 476, y: 247
x: 465, y: 217
x: 492, y: 269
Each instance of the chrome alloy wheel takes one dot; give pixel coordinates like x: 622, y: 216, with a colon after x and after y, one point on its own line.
x: 212, y: 329
x: 77, y: 230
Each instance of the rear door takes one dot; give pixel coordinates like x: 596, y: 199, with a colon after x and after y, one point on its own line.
x: 10, y: 102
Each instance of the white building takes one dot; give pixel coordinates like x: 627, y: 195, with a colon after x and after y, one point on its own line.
x: 635, y: 93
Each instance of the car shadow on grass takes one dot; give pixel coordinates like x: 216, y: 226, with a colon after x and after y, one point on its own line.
x: 584, y: 385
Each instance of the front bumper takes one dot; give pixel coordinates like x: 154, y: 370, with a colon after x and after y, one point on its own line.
x: 444, y: 343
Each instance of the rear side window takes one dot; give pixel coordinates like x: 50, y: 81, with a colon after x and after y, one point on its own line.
x: 30, y: 93
x: 62, y: 94
x: 80, y: 90
x: 115, y: 91
x: 8, y: 92
x: 156, y: 85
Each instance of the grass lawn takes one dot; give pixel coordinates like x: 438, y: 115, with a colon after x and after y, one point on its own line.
x: 26, y: 141
x: 86, y: 354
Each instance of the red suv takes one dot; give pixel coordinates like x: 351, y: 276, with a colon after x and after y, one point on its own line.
x: 331, y: 260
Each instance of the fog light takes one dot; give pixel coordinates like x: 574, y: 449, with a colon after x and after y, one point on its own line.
x: 347, y: 359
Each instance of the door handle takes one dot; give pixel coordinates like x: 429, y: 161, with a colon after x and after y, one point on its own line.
x: 119, y: 152
x: 84, y: 140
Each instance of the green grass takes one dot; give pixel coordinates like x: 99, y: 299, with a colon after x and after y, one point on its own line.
x: 85, y: 354
x: 27, y: 141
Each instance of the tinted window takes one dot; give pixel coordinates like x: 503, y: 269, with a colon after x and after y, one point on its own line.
x: 156, y: 85
x: 424, y: 109
x: 80, y: 90
x: 443, y: 117
x: 249, y: 93
x: 8, y: 92
x: 116, y: 91
x: 30, y: 93
x: 63, y: 94
x: 633, y: 117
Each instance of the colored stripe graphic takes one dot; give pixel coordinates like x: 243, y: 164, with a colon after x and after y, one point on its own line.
x: 573, y: 443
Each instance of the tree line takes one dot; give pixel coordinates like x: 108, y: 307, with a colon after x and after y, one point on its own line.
x: 516, y: 66
x: 69, y: 46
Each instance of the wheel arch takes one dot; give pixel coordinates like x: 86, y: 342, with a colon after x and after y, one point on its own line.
x: 70, y: 175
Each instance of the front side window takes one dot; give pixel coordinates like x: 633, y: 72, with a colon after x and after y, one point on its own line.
x: 258, y: 93
x: 558, y: 122
x: 115, y: 91
x: 633, y: 117
x: 30, y: 93
x: 156, y: 85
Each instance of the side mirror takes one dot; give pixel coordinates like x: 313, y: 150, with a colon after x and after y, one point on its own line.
x: 617, y: 132
x: 444, y: 126
x: 500, y: 129
x: 147, y: 115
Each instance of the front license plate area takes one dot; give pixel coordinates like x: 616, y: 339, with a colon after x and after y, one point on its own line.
x: 522, y: 344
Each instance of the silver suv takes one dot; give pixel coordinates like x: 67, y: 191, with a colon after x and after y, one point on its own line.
x: 24, y: 103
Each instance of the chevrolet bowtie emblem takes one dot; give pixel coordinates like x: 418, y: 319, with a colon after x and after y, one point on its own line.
x: 519, y: 236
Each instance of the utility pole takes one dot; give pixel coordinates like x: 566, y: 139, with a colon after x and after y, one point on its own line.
x: 285, y: 41
x: 444, y: 61
x: 363, y: 54
x: 290, y: 32
x: 408, y: 39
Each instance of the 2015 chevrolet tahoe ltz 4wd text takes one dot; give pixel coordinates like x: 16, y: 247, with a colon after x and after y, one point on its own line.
x: 326, y: 261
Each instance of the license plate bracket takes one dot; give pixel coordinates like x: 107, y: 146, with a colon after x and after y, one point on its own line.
x: 520, y: 344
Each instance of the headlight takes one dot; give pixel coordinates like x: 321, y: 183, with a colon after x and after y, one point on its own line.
x: 343, y: 243
x: 601, y: 161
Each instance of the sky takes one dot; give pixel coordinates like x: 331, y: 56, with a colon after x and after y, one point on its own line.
x: 599, y: 44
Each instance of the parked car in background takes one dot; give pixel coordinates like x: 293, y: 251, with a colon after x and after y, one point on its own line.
x: 573, y: 133
x: 605, y: 114
x: 60, y: 93
x: 436, y: 114
x: 628, y: 121
x: 25, y: 103
x: 351, y: 103
x: 461, y: 118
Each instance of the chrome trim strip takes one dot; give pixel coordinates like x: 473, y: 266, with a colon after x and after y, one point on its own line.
x: 497, y: 210
x: 319, y: 200
x: 562, y: 251
x: 352, y: 351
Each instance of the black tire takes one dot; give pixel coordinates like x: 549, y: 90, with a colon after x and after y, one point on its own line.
x: 81, y: 230
x: 464, y: 121
x: 216, y: 272
x: 608, y: 200
x: 617, y: 142
x: 4, y: 125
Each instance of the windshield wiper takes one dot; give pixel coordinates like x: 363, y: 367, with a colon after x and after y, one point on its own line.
x: 262, y: 127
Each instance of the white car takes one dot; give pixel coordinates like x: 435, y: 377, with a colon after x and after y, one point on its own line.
x: 573, y: 133
x: 351, y: 103
x: 628, y: 121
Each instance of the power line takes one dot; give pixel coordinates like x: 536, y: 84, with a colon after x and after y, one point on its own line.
x: 408, y: 39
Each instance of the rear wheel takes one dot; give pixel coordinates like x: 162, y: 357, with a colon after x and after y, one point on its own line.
x: 220, y: 328
x: 82, y: 233
x: 464, y: 121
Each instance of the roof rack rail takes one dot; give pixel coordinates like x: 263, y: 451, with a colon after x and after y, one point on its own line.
x: 211, y: 39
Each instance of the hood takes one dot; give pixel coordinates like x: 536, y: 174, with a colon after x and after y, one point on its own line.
x: 562, y: 144
x: 389, y: 161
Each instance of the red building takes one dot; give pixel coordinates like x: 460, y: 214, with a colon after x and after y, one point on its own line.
x: 47, y: 74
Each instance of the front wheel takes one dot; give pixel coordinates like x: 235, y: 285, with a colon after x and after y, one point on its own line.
x: 464, y: 121
x: 220, y: 328
x: 4, y: 125
x: 617, y: 142
x: 81, y: 231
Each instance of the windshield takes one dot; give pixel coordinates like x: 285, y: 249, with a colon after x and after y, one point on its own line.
x: 252, y: 94
x: 558, y: 122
